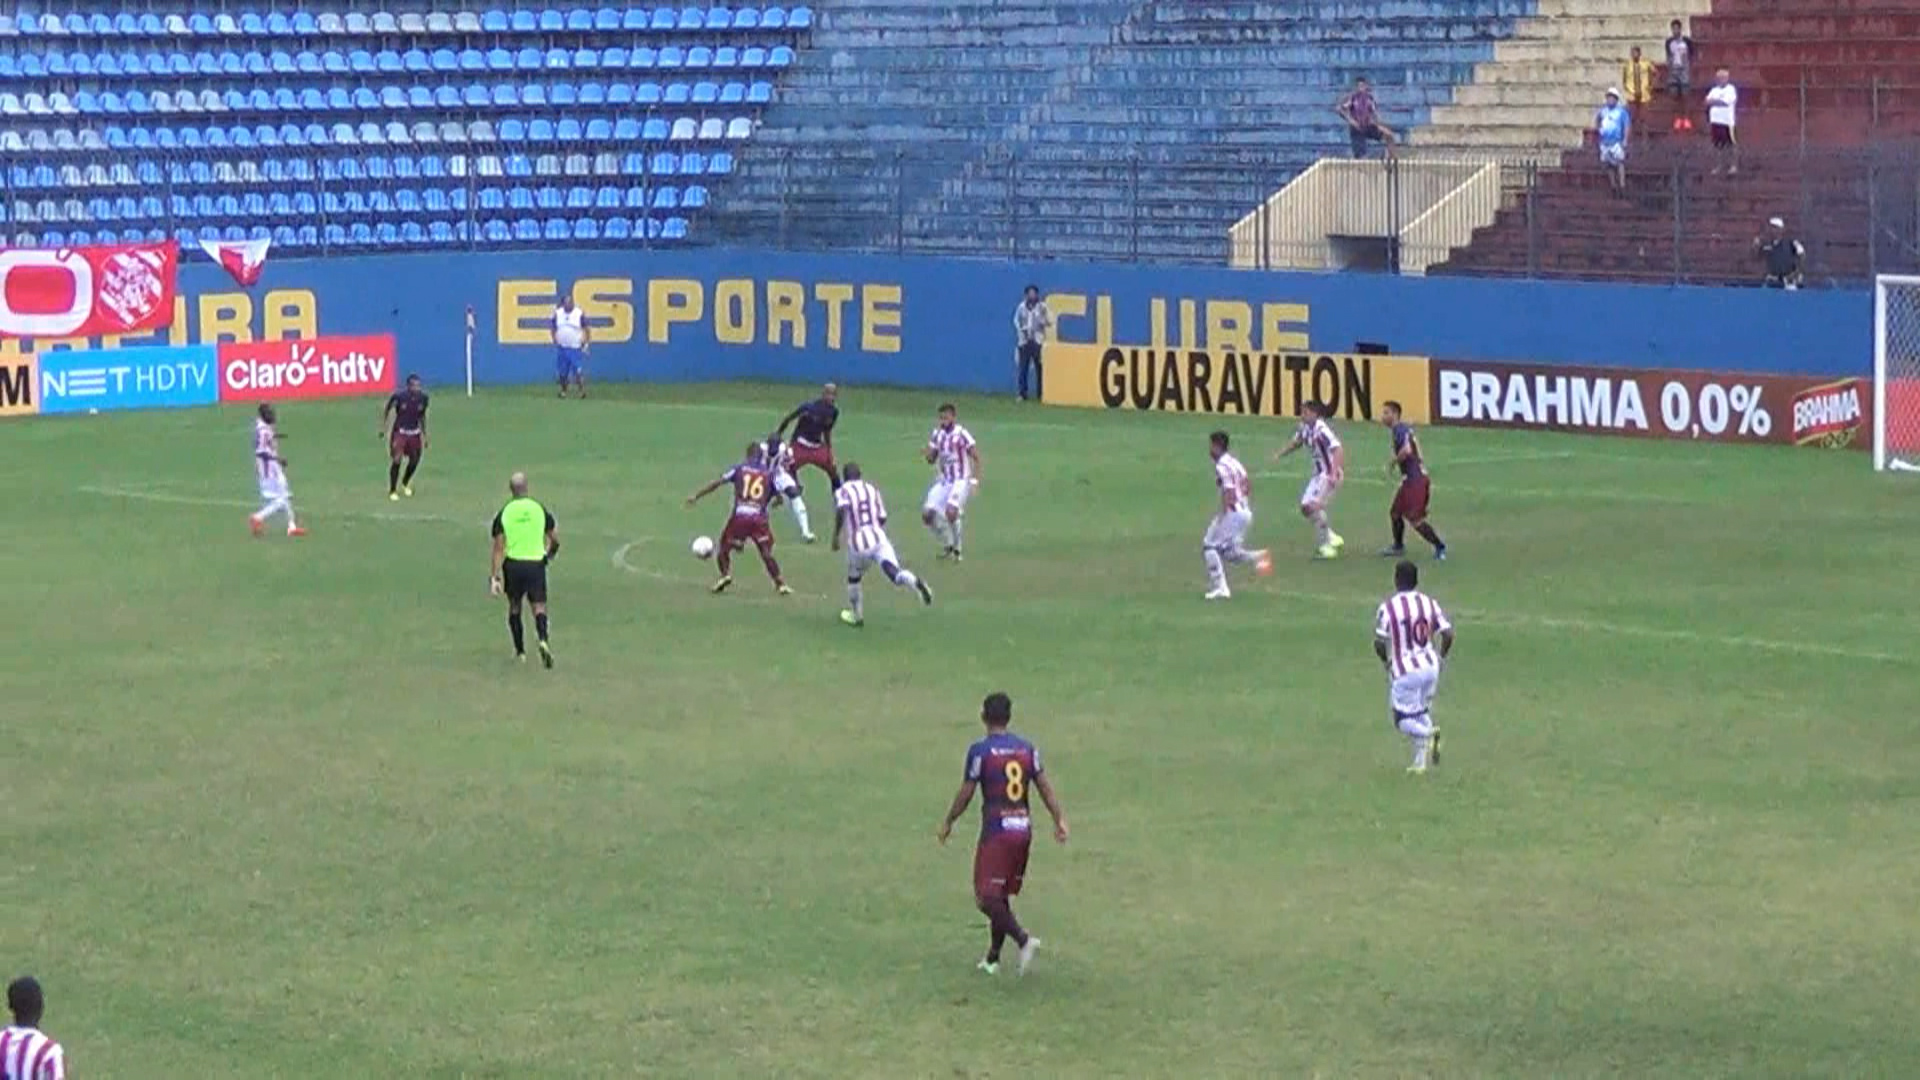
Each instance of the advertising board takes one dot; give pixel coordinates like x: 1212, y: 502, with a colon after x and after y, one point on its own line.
x: 154, y: 377
x: 306, y: 368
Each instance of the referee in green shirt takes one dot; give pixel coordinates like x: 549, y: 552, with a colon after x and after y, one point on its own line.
x: 523, y: 544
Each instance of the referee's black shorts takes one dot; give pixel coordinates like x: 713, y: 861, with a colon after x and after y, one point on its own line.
x: 524, y: 580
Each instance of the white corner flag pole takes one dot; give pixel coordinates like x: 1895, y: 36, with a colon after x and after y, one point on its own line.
x: 469, y: 350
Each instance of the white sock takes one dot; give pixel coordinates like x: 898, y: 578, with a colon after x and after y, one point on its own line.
x: 274, y: 506
x: 1419, y: 731
x: 938, y: 527
x: 954, y: 526
x: 855, y: 602
x: 288, y: 505
x: 1320, y: 527
x: 800, y: 514
x: 1216, y: 571
x: 906, y: 579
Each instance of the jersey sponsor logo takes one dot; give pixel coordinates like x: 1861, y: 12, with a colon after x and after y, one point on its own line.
x: 1716, y: 406
x: 1831, y: 415
x: 19, y: 386
x: 87, y: 291
x: 306, y: 368
x: 1228, y: 383
x: 146, y: 377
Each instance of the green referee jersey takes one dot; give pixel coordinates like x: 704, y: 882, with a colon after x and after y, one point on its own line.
x: 524, y: 524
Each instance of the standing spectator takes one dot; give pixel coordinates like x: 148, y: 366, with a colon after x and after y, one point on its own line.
x: 571, y: 341
x: 1723, y: 102
x: 1614, y: 125
x: 1362, y: 115
x: 1782, y: 255
x: 1680, y: 57
x: 1637, y: 76
x: 1031, y: 322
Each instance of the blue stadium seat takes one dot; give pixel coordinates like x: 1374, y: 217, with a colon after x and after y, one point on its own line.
x: 618, y: 228
x: 726, y: 56
x: 636, y: 198
x: 499, y: 59
x: 607, y: 198
x: 415, y: 60
x: 440, y: 232
x: 525, y: 22
x: 705, y: 93
x: 721, y: 164
x: 365, y: 100
x: 497, y: 232
x: 533, y: 95
x: 760, y: 93
x: 360, y: 234
x: 558, y: 60
x: 599, y: 129
x: 800, y: 18
x: 654, y: 130
x: 444, y: 60
x: 513, y: 129
x: 506, y: 96
x: 335, y: 235
x: 387, y: 61
x: 614, y: 57
x: 278, y: 25
x: 567, y: 130
x: 672, y: 57
x: 746, y: 19
x: 285, y: 236
x: 419, y: 97
x: 733, y: 93
x: 585, y: 229
x: 780, y: 57
x: 699, y: 57
x: 518, y: 165
x: 526, y: 229
x: 494, y: 22
x: 559, y: 229
x: 379, y: 202
x: 563, y: 93
x: 666, y: 198
x: 620, y: 93
x: 475, y: 96
x: 447, y: 97
x: 411, y: 233
x: 754, y: 58
x: 530, y: 59
x: 643, y: 58
x: 304, y: 24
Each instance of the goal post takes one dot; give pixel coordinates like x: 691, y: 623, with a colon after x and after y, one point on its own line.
x: 1896, y: 373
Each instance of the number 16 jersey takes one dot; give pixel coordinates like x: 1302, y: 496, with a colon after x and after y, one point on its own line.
x: 1005, y: 766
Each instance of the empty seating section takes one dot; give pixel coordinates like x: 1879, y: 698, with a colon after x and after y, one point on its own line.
x: 1229, y: 100
x: 346, y: 128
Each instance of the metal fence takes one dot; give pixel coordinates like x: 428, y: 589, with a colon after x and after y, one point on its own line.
x: 1856, y: 211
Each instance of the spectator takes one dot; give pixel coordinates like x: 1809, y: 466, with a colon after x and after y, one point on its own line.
x: 1613, y: 125
x: 1031, y: 321
x: 1723, y: 102
x: 1637, y: 76
x: 1680, y: 58
x: 1362, y: 115
x: 1781, y: 254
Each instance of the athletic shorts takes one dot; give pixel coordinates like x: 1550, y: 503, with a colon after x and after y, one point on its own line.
x: 947, y: 495
x: 1410, y: 501
x: 1226, y: 531
x: 1411, y: 695
x: 567, y: 362
x: 407, y: 444
x: 1000, y: 864
x: 1723, y: 136
x: 1318, y: 492
x: 524, y: 580
x: 878, y: 554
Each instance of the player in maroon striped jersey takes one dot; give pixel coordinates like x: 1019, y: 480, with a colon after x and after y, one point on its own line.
x: 403, y: 424
x: 1410, y: 499
x: 1008, y: 768
x: 812, y: 425
x: 752, y: 484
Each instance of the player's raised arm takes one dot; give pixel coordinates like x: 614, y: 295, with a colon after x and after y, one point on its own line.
x: 1045, y: 783
x: 961, y: 799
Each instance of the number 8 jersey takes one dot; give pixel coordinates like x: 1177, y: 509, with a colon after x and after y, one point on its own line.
x: 1005, y: 766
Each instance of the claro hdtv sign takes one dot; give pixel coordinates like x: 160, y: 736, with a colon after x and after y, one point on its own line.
x: 292, y: 370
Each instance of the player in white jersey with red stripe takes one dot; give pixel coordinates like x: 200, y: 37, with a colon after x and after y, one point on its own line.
x: 1225, y: 541
x: 1329, y: 472
x: 1412, y: 637
x: 270, y: 469
x: 26, y: 1053
x: 955, y: 458
x: 860, y: 522
x: 780, y: 461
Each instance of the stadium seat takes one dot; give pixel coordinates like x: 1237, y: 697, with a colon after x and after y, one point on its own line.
x: 739, y: 128
x: 655, y: 130
x: 685, y: 129
x: 643, y: 58
x: 733, y: 93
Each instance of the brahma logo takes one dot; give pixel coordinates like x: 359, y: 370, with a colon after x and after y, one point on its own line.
x: 1830, y: 415
x: 306, y: 368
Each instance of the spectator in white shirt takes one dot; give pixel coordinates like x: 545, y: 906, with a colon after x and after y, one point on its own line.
x: 1031, y: 321
x: 571, y: 340
x: 1723, y: 102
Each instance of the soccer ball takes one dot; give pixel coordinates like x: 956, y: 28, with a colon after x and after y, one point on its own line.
x: 702, y: 547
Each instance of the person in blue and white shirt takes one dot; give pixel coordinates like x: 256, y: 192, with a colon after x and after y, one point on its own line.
x: 1614, y: 124
x: 571, y: 342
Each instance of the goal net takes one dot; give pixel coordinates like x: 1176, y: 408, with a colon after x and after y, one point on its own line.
x: 1896, y: 373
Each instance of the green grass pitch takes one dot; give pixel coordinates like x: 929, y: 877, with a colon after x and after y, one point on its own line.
x: 286, y: 809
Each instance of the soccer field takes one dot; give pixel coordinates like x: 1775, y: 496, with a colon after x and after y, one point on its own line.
x: 286, y: 807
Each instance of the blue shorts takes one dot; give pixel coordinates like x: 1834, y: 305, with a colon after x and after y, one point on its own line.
x: 566, y: 363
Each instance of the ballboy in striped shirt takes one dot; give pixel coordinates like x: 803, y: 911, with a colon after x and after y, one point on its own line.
x: 1412, y: 636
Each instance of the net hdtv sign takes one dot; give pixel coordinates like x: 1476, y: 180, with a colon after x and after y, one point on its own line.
x: 306, y: 368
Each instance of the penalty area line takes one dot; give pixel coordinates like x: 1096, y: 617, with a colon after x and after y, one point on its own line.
x: 1602, y: 627
x: 155, y: 496
x: 623, y: 561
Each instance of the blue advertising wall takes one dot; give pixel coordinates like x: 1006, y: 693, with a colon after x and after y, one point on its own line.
x: 721, y: 314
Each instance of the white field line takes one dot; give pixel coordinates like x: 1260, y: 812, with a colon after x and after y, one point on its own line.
x: 1516, y: 492
x: 742, y: 590
x: 1613, y: 629
x: 155, y: 496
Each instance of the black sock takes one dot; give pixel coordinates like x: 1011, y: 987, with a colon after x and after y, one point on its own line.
x: 993, y: 950
x: 413, y: 462
x: 540, y: 624
x: 1426, y: 533
x: 519, y: 633
x: 1000, y: 913
x: 393, y: 476
x: 1399, y: 531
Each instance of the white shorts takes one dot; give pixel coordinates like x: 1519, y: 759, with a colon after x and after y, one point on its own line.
x: 783, y: 482
x: 1318, y: 492
x: 1226, y: 531
x: 948, y: 495
x: 1412, y: 694
x: 858, y: 561
x: 273, y: 483
x: 1613, y: 155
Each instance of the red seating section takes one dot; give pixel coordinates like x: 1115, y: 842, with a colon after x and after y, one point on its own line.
x: 1829, y: 92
